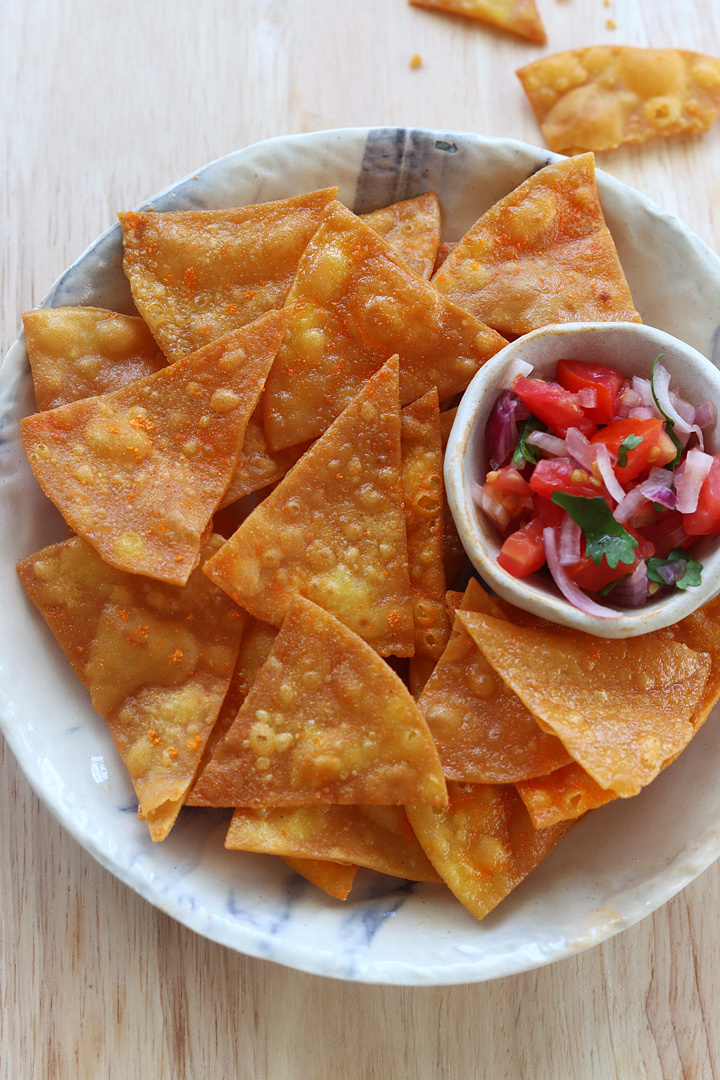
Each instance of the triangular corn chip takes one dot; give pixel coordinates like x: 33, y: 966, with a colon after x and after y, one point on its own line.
x: 564, y: 795
x: 622, y: 708
x: 197, y: 274
x: 701, y: 632
x: 334, y: 529
x: 78, y: 352
x: 518, y: 16
x: 412, y: 229
x: 598, y: 98
x: 422, y: 479
x: 326, y: 721
x: 333, y: 878
x: 257, y: 467
x: 444, y: 249
x: 484, y: 843
x: 377, y: 837
x: 483, y: 731
x: 355, y: 304
x: 541, y: 255
x: 157, y: 660
x: 139, y: 472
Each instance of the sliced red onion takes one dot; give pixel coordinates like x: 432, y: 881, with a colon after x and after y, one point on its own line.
x: 569, y: 550
x: 587, y: 397
x: 501, y: 433
x: 688, y: 485
x: 626, y: 400
x: 657, y: 488
x: 706, y: 414
x: 567, y: 587
x: 661, y: 383
x: 632, y: 591
x: 518, y: 367
x: 643, y: 389
x: 604, y: 464
x: 683, y: 408
x: 580, y: 448
x: 547, y: 442
x: 643, y: 412
x: 490, y: 507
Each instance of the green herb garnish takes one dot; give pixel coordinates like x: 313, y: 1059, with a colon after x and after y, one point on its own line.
x: 604, y: 537
x: 690, y: 576
x: 609, y: 588
x: 627, y: 444
x: 523, y: 452
x: 669, y: 424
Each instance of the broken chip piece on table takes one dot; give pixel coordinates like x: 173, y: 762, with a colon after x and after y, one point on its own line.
x: 298, y: 353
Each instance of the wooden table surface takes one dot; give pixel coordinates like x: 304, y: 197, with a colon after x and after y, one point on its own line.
x: 103, y: 104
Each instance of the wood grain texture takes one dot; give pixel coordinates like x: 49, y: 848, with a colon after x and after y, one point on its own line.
x: 104, y: 104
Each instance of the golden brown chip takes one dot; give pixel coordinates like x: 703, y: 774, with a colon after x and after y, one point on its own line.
x: 139, y: 472
x: 422, y: 479
x: 564, y: 795
x: 78, y: 352
x: 412, y: 229
x: 621, y: 708
x: 598, y: 98
x: 518, y: 16
x: 326, y: 721
x: 377, y: 837
x: 444, y: 249
x: 355, y: 304
x: 334, y: 529
x: 197, y: 274
x: 156, y: 658
x: 483, y: 731
x: 701, y: 632
x: 484, y: 843
x: 333, y: 878
x: 257, y: 467
x: 541, y: 255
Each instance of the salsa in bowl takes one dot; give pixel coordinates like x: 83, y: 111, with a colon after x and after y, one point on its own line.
x: 582, y: 475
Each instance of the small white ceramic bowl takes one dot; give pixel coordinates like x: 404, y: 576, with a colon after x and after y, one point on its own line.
x: 631, y: 349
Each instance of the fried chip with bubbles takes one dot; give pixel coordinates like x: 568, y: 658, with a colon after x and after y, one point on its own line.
x: 326, y: 721
x: 257, y: 466
x: 334, y: 529
x: 541, y: 255
x: 563, y: 795
x: 412, y: 230
x: 336, y: 879
x: 518, y: 16
x: 606, y: 95
x: 156, y: 658
x: 140, y: 471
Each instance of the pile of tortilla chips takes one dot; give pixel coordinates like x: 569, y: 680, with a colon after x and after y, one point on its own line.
x: 303, y: 663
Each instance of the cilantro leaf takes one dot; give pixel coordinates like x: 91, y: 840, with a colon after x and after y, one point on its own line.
x: 523, y: 452
x: 603, y: 535
x: 669, y: 424
x: 679, y: 569
x: 628, y: 443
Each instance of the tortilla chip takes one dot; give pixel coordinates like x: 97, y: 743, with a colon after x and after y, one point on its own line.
x: 195, y: 275
x: 355, y: 304
x: 453, y: 600
x: 564, y: 795
x: 78, y: 352
x: 444, y: 249
x: 541, y: 255
x: 326, y: 721
x: 333, y: 878
x: 139, y: 472
x: 157, y: 660
x: 377, y: 837
x: 598, y: 98
x: 412, y: 229
x: 484, y: 843
x: 622, y: 708
x: 701, y: 632
x: 518, y: 16
x: 334, y: 529
x: 483, y: 731
x: 257, y: 467
x: 422, y: 479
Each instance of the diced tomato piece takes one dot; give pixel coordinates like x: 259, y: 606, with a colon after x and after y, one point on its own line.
x: 555, y: 406
x: 653, y: 450
x: 576, y: 375
x: 550, y: 512
x: 594, y: 577
x: 561, y: 474
x: 706, y: 519
x: 508, y: 488
x: 524, y: 552
x: 667, y: 533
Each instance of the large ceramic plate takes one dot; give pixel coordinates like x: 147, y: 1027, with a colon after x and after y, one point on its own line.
x: 615, y: 867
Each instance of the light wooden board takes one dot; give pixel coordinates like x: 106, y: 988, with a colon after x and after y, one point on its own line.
x: 104, y: 104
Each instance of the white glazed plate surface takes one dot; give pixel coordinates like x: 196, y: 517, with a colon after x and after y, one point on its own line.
x: 615, y: 867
